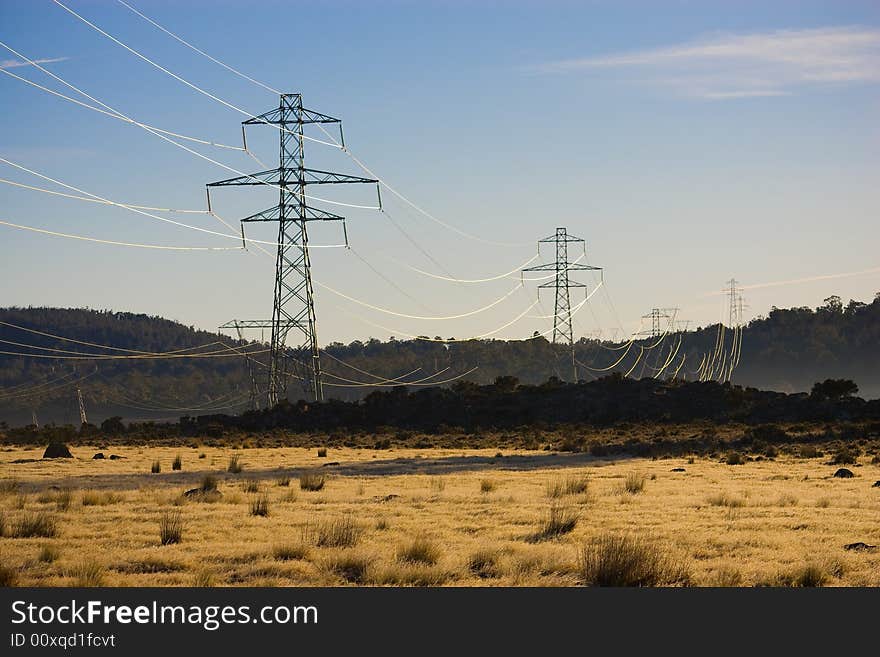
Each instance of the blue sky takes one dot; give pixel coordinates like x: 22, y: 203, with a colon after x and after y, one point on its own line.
x: 687, y: 142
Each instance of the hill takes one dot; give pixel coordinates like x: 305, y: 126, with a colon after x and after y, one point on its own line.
x: 112, y: 358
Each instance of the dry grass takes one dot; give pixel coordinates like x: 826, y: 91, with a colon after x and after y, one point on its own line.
x: 156, y: 467
x: 338, y: 532
x: 100, y: 498
x: 621, y: 560
x: 35, y: 525
x: 420, y: 551
x: 235, y: 465
x: 260, y: 506
x: 48, y: 554
x: 560, y: 521
x: 634, y: 483
x: 171, y: 528
x: 735, y: 526
x: 177, y: 463
x: 568, y: 486
x: 312, y: 481
x: 8, y: 576
x: 487, y: 485
x: 86, y: 574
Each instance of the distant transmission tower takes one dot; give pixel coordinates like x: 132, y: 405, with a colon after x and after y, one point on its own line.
x: 293, y: 305
x: 734, y: 303
x: 655, y: 316
x: 83, y: 419
x: 239, y: 329
x: 562, y: 331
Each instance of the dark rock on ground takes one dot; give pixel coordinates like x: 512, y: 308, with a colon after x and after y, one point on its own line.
x: 98, y: 456
x: 876, y: 484
x: 677, y: 469
x: 843, y: 473
x: 860, y: 547
x: 57, y: 451
x: 329, y: 464
x: 116, y: 457
x: 202, y: 495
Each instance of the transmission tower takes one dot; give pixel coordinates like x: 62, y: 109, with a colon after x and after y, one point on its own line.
x: 83, y: 419
x: 655, y: 316
x: 734, y: 306
x: 293, y: 304
x: 239, y: 329
x: 562, y: 331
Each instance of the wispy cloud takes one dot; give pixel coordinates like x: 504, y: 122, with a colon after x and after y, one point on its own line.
x: 15, y: 63
x: 747, y: 65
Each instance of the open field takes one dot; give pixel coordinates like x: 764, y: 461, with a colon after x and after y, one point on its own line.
x: 431, y: 516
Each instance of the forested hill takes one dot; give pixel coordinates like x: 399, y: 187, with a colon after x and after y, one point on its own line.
x: 788, y: 351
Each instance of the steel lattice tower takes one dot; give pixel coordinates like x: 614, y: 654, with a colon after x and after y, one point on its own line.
x: 293, y: 305
x: 562, y: 330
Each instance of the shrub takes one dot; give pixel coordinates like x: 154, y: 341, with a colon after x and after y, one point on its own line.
x: 235, y: 466
x: 260, y: 506
x: 171, y: 528
x: 845, y: 456
x: 37, y: 525
x: 209, y: 483
x: 619, y: 560
x: 251, y: 486
x: 734, y: 458
x: 177, y: 463
x: 156, y: 468
x: 322, y: 453
x: 487, y: 485
x: 311, y: 481
x: 634, y: 483
x: 809, y: 452
x: 483, y: 563
x: 339, y: 532
x: 284, y: 480
x: 87, y: 574
x: 560, y: 521
x: 295, y: 552
x: 727, y: 577
x: 421, y: 550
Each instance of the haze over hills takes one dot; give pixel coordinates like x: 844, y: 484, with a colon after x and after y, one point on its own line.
x: 111, y: 358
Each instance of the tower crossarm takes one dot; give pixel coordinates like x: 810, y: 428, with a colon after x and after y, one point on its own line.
x: 570, y: 266
x: 311, y: 214
x: 275, y: 117
x: 277, y: 178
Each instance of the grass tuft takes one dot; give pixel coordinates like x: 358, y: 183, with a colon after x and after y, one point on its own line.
x: 421, y: 550
x: 48, y: 554
x: 290, y: 552
x: 339, y: 532
x: 8, y: 576
x: 312, y: 481
x: 619, y: 560
x: 487, y: 485
x: 483, y: 563
x: 350, y: 567
x: 35, y: 525
x: 156, y: 468
x: 177, y: 463
x: 235, y: 466
x: 560, y: 521
x: 171, y: 528
x: 87, y: 574
x: 567, y: 486
x: 634, y: 483
x: 100, y: 498
x: 260, y: 505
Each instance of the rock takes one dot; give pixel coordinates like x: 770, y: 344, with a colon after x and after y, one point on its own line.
x: 860, y: 547
x: 326, y: 465
x: 876, y: 484
x: 98, y: 456
x: 677, y: 469
x: 843, y: 473
x: 57, y: 451
x: 116, y: 457
x: 202, y: 495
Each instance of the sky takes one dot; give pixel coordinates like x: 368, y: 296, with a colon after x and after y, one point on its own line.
x: 687, y: 143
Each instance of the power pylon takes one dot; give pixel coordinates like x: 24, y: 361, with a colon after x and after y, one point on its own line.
x: 239, y: 329
x: 293, y: 304
x: 734, y: 306
x: 83, y: 419
x: 655, y: 316
x: 562, y: 331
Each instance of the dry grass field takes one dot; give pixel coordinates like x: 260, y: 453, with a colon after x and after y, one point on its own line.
x: 431, y: 517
